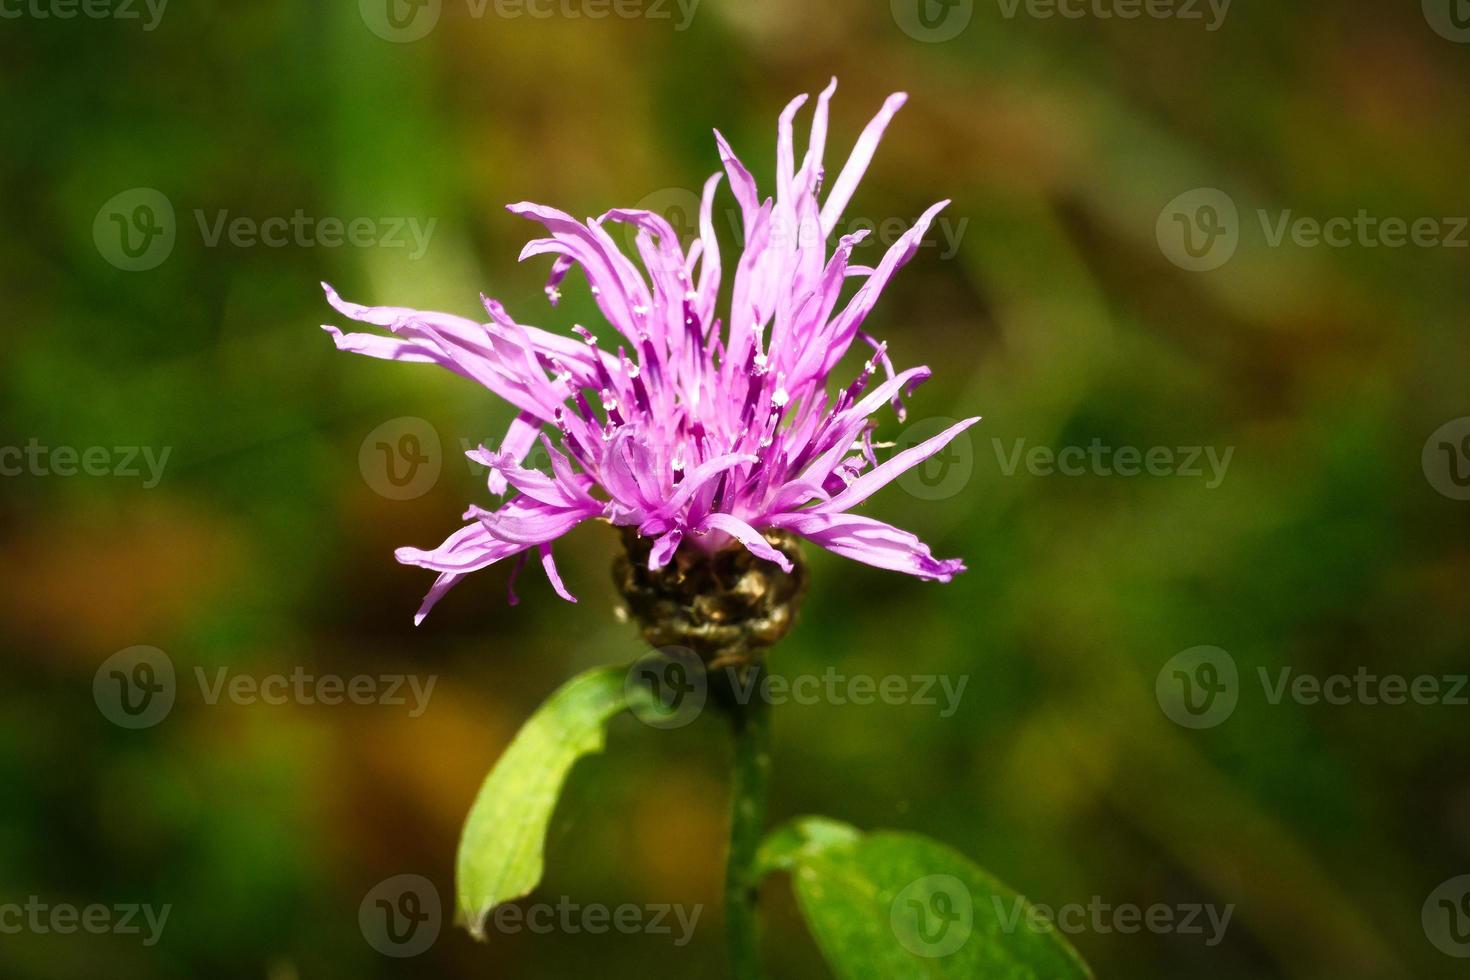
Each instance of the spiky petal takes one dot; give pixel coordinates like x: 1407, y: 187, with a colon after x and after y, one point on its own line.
x: 694, y: 433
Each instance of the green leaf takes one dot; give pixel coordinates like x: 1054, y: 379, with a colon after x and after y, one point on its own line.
x: 502, y: 847
x: 888, y: 905
x: 784, y: 848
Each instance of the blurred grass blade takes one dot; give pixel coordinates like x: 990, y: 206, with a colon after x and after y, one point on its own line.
x: 501, y: 850
x: 888, y: 905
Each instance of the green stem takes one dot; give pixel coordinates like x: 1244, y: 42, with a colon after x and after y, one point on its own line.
x: 751, y: 727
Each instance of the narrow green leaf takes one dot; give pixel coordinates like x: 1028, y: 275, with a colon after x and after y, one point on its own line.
x: 501, y: 849
x: 889, y: 905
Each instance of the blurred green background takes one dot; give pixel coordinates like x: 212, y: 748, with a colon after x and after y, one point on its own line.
x: 1058, y: 314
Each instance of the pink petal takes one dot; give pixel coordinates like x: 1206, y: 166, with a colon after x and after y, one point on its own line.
x: 857, y: 164
x: 753, y: 540
x: 871, y: 542
x: 866, y: 485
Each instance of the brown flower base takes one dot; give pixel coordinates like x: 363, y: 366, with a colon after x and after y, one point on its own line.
x: 727, y: 607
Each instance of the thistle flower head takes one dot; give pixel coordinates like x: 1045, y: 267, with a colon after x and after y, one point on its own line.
x: 696, y: 429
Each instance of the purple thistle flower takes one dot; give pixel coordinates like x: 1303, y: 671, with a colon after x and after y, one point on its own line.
x: 693, y: 433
